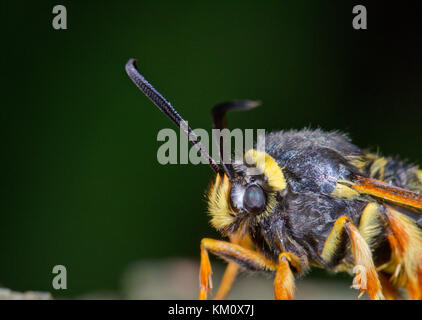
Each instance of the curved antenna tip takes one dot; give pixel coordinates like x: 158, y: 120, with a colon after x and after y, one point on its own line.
x: 130, y: 65
x: 254, y: 103
x: 159, y: 101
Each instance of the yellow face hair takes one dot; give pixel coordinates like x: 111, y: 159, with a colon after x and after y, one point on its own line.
x: 219, y: 203
x: 269, y: 167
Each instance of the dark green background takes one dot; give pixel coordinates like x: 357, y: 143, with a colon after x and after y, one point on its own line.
x: 81, y: 183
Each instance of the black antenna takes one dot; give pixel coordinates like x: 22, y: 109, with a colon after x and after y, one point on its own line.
x: 219, y: 111
x: 219, y: 121
x: 168, y: 110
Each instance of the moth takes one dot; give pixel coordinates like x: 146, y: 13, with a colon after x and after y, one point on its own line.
x: 314, y: 200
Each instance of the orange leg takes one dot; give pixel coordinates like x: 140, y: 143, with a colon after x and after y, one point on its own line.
x: 406, y: 243
x: 243, y: 257
x: 226, y: 283
x: 284, y: 284
x: 366, y: 278
x: 232, y: 268
x: 388, y: 289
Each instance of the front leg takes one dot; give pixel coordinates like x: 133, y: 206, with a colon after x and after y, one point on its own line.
x: 232, y: 267
x: 231, y: 252
x: 251, y: 260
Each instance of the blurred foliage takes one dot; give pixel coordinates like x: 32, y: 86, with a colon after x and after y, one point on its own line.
x: 82, y: 186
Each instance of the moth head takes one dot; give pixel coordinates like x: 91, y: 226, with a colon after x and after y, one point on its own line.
x: 248, y: 195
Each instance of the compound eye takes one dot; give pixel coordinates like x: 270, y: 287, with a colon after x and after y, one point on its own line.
x: 254, y: 199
